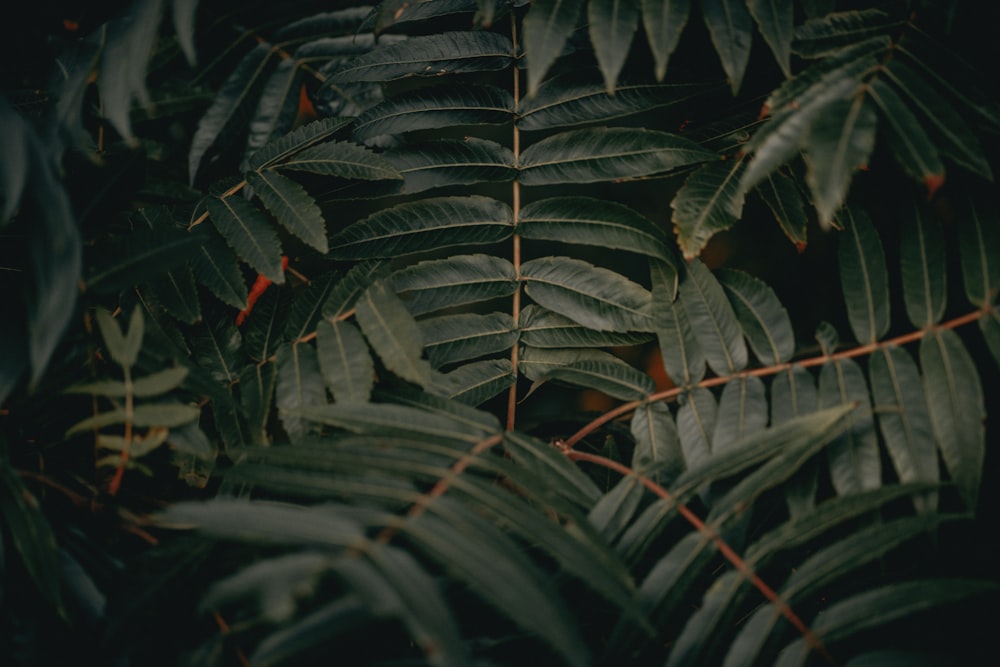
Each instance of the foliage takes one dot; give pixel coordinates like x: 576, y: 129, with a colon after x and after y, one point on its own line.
x: 476, y: 332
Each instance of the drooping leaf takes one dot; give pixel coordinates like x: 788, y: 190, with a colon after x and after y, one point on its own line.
x: 592, y: 221
x: 742, y: 412
x: 683, y: 359
x: 593, y: 296
x: 131, y: 258
x: 425, y: 224
x: 444, y: 162
x: 913, y: 148
x: 979, y: 249
x: 657, y: 443
x: 429, y: 55
x: 299, y: 386
x: 216, y: 267
x: 476, y: 382
x: 854, y: 457
x: 612, y: 24
x: 764, y: 320
x: 463, y: 336
x: 782, y: 196
x: 540, y: 327
x: 709, y: 202
x: 613, y: 378
x: 989, y: 326
x: 793, y: 393
x: 215, y: 348
x: 346, y: 292
x: 731, y: 28
x: 455, y: 281
x: 603, y: 154
x: 955, y: 407
x: 547, y: 26
x: 863, y: 276
x: 922, y: 264
x: 713, y: 321
x: 696, y: 419
x: 664, y: 21
x: 776, y: 21
x: 822, y: 36
x: 392, y: 333
x: 249, y: 233
x: 291, y: 205
x: 394, y: 420
x: 903, y: 418
x: 342, y: 159
x: 434, y: 108
x: 280, y: 149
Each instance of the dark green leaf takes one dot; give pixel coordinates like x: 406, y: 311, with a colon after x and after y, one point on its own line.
x: 476, y: 419
x: 696, y: 419
x: 395, y: 420
x: 782, y: 196
x: 216, y: 267
x: 392, y: 333
x: 793, y: 394
x: 731, y: 29
x: 291, y: 205
x: 776, y: 21
x: 344, y: 361
x: 446, y: 162
x: 664, y: 21
x: 475, y: 383
x: 979, y: 247
x: 257, y: 383
x: 989, y: 325
x: 823, y: 36
x: 764, y: 320
x: 863, y: 276
x: 129, y: 259
x: 683, y: 359
x: 346, y: 292
x: 541, y: 327
x: 263, y: 330
x: 922, y: 264
x: 278, y: 107
x: 742, y: 412
x: 564, y: 477
x: 463, y: 336
x: 307, y: 306
x: 153, y: 384
x: 547, y: 26
x: 614, y: 511
x: 605, y: 154
x: 855, y: 464
x: 593, y: 296
x: 282, y: 148
x: 249, y: 233
x: 713, y: 321
x: 215, y: 348
x: 537, y: 363
x: 913, y: 148
x: 612, y: 24
x: 342, y: 159
x: 455, y: 281
x: 613, y: 378
x: 160, y: 414
x: 229, y: 423
x: 709, y: 202
x: 715, y: 614
x: 300, y: 386
x: 657, y: 443
x: 177, y: 293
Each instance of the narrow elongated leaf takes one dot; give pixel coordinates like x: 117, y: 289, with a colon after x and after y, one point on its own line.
x: 282, y: 148
x: 455, y: 281
x: 149, y: 414
x: 612, y: 24
x: 838, y: 143
x: 393, y: 333
x: 216, y: 267
x: 446, y: 162
x: 264, y: 327
x: 540, y: 327
x: 430, y: 55
x: 346, y: 292
x: 823, y: 36
x: 547, y: 26
x: 572, y: 99
x: 903, y: 419
x: 776, y: 21
x: 129, y: 259
x: 989, y: 326
x: 257, y: 384
x: 721, y: 603
x: 477, y: 382
x: 696, y: 419
x: 435, y: 108
x: 249, y: 233
x: 300, y: 386
x: 215, y: 349
x: 782, y: 196
x: 854, y: 457
x: 278, y: 107
x: 713, y: 321
x: 230, y: 424
x: 394, y: 420
x: 731, y: 28
x: 683, y: 359
x: 344, y: 361
x: 764, y: 320
x: 537, y: 363
x: 604, y: 154
x: 863, y: 276
x: 614, y: 378
x: 664, y: 21
x: 742, y: 412
x: 922, y: 264
x: 426, y: 224
x: 177, y: 293
x: 307, y: 306
x: 955, y: 406
x: 793, y: 394
x: 913, y: 148
x: 291, y: 205
x: 463, y: 336
x: 589, y: 295
x: 122, y: 346
x: 592, y: 221
x: 614, y: 511
x: 153, y: 384
x: 979, y: 248
x: 657, y: 443
x: 709, y: 202
x: 566, y: 479
x: 342, y: 159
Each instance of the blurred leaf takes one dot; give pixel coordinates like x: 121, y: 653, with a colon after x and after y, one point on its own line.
x: 709, y: 202
x: 979, y: 249
x: 257, y: 384
x: 731, y: 28
x: 664, y: 21
x: 776, y: 21
x: 122, y: 346
x: 177, y: 293
x: 392, y: 333
x: 547, y: 26
x: 825, y: 35
x: 153, y: 384
x: 612, y: 24
x: 131, y: 258
x: 148, y: 414
x: 183, y: 19
x: 913, y: 148
x: 793, y: 394
x: 863, y: 276
x: 395, y: 420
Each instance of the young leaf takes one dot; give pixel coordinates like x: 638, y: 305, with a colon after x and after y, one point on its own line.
x: 854, y: 457
x: 475, y: 383
x: 709, y: 202
x: 300, y: 386
x: 712, y: 319
x: 291, y: 205
x: 393, y: 333
x: 764, y: 320
x: 592, y: 221
x: 612, y: 24
x: 742, y: 412
x: 342, y: 159
x: 696, y: 419
x: 344, y: 361
x: 462, y: 336
x: 955, y: 406
x: 782, y: 196
x: 613, y: 378
x: 776, y: 21
x: 731, y: 28
x: 913, y: 148
x: 979, y: 248
x: 683, y: 359
x: 664, y: 21
x: 604, y: 154
x: 249, y: 233
x: 863, y: 276
x: 540, y: 327
x: 425, y: 224
x: 442, y: 162
x: 922, y: 264
x: 547, y: 26
x: 596, y: 297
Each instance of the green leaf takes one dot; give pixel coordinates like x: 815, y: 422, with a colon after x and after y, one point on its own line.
x: 427, y: 224
x: 574, y: 99
x: 955, y: 139
x: 477, y: 382
x: 612, y: 24
x: 683, y: 359
x: 149, y: 414
x: 430, y: 55
x: 614, y: 378
x: 306, y: 136
x: 903, y: 419
x: 291, y: 205
x: 177, y: 293
x: 592, y: 221
x: 776, y: 21
x: 249, y: 233
x: 614, y: 511
x: 979, y: 248
x: 123, y: 347
x: 989, y: 325
x: 709, y: 202
x: 307, y: 306
x: 300, y: 386
x: 782, y: 196
x: 589, y: 295
x: 956, y: 409
x: 215, y: 348
x: 764, y: 320
x: 854, y: 457
x: 263, y: 330
x: 257, y: 384
x: 604, y: 154
x: 822, y: 36
x: 346, y: 292
x: 153, y: 384
x: 922, y: 264
x: 435, y: 108
x: 446, y: 162
x: 477, y: 419
x: 344, y: 360
x: 657, y: 443
x: 463, y: 336
x: 863, y: 276
x: 742, y: 412
x: 664, y: 21
x: 713, y: 321
x: 538, y: 363
x: 435, y: 284
x: 391, y: 420
x: 838, y: 143
x: 128, y: 259
x: 913, y: 148
x: 342, y: 159
x: 216, y: 267
x: 540, y: 327
x: 392, y: 333
x: 564, y: 477
x: 547, y: 26
x: 696, y: 419
x: 731, y: 28
x: 793, y: 394
x: 230, y: 425
x: 278, y: 107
